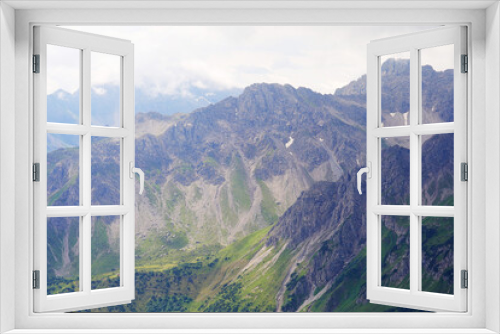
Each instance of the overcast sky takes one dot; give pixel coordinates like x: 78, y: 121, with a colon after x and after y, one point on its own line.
x: 171, y: 60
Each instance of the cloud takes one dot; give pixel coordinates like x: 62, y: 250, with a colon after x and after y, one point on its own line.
x: 171, y: 60
x: 63, y: 71
x: 440, y: 58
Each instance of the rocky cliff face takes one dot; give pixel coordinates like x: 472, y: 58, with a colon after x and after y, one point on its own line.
x: 242, y: 161
x: 326, y: 230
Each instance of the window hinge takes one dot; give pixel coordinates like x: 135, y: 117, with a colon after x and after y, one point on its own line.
x: 464, y: 167
x: 465, y: 64
x: 36, y: 63
x: 36, y: 172
x: 465, y: 279
x: 36, y: 279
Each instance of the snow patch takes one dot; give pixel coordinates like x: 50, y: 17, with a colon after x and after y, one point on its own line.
x: 321, y: 140
x: 290, y: 142
x: 62, y: 95
x: 99, y: 90
x: 392, y: 114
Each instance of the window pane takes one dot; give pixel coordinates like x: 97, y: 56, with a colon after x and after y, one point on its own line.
x: 396, y: 252
x: 105, y: 90
x: 106, y: 171
x: 63, y: 170
x: 437, y: 169
x: 395, y: 171
x: 105, y: 246
x: 63, y: 84
x: 437, y: 254
x: 437, y: 84
x: 63, y: 262
x: 395, y: 91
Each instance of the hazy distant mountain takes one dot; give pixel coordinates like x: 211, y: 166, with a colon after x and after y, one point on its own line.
x: 63, y: 107
x: 250, y: 203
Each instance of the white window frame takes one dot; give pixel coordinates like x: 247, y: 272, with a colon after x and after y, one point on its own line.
x: 124, y: 51
x: 414, y: 297
x: 483, y: 102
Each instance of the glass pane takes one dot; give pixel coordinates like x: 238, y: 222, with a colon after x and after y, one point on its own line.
x: 396, y: 252
x: 105, y: 92
x: 105, y: 252
x: 437, y: 84
x: 63, y: 249
x: 395, y: 171
x: 63, y: 84
x: 105, y: 171
x: 437, y: 169
x: 63, y: 170
x: 437, y: 254
x: 395, y: 91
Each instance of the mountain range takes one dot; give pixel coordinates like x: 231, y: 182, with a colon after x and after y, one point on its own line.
x: 63, y: 107
x: 251, y: 205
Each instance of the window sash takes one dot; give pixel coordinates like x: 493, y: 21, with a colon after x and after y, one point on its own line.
x: 86, y: 297
x: 414, y: 298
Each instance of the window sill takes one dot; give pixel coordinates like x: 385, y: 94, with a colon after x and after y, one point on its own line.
x: 251, y: 331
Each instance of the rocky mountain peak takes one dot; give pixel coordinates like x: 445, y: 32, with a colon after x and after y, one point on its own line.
x: 268, y: 88
x: 393, y: 68
x: 398, y: 67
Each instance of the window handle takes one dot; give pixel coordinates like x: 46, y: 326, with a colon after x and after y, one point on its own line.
x: 368, y: 171
x: 133, y: 170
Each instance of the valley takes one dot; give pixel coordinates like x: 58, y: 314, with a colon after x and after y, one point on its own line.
x: 251, y: 205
